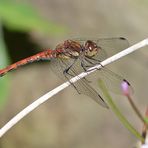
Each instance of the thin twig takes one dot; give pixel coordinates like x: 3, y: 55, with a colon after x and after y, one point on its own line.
x: 48, y: 95
x: 138, y: 113
x: 144, y: 133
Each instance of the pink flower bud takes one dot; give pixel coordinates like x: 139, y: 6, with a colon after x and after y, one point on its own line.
x: 125, y: 87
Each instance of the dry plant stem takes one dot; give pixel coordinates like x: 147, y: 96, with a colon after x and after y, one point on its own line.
x: 136, y: 110
x: 145, y: 128
x: 47, y: 96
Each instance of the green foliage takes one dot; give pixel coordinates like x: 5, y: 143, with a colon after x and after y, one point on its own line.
x: 146, y: 119
x: 3, y: 63
x: 23, y: 17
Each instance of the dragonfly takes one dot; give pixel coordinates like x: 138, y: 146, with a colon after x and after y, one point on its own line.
x: 74, y: 56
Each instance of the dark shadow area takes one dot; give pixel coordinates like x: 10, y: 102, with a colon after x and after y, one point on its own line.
x: 19, y: 45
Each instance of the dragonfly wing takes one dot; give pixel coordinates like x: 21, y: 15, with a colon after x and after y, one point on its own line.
x: 82, y: 86
x: 108, y: 46
x: 85, y: 88
x: 113, y: 81
x: 58, y: 66
x: 112, y: 45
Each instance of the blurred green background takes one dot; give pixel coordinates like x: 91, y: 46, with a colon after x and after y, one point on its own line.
x: 69, y: 119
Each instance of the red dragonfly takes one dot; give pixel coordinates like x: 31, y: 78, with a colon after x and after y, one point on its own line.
x: 74, y: 56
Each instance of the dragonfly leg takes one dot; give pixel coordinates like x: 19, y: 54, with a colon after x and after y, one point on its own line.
x: 85, y: 69
x: 66, y: 73
x: 91, y: 63
x: 83, y: 66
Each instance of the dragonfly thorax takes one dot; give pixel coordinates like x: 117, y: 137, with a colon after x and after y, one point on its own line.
x: 90, y: 48
x: 69, y: 49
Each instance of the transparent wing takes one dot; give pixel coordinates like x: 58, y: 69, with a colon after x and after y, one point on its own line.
x: 113, y: 81
x: 112, y: 45
x: 82, y: 85
x: 109, y: 46
x: 58, y: 66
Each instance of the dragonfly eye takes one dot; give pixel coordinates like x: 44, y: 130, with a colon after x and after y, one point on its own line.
x: 91, y: 48
x: 90, y: 45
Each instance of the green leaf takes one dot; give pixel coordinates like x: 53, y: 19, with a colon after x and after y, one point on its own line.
x: 23, y: 17
x: 146, y: 119
x: 3, y: 62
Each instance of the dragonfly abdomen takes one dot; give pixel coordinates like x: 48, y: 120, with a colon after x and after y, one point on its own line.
x: 45, y: 55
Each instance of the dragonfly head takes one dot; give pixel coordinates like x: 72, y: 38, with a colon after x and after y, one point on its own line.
x: 91, y: 48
